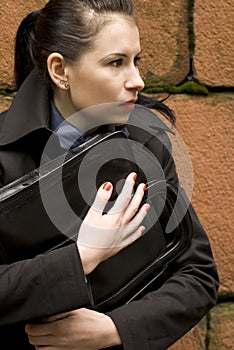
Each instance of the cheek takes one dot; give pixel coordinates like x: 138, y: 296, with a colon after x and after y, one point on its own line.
x: 95, y: 88
x: 103, y: 90
x: 81, y: 90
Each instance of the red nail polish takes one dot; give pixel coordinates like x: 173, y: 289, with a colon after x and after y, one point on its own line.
x: 135, y: 177
x: 144, y: 187
x: 106, y: 186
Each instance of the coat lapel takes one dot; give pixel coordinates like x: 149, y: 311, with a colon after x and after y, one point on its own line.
x: 28, y: 112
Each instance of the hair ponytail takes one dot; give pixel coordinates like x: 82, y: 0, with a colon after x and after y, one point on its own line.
x: 24, y: 62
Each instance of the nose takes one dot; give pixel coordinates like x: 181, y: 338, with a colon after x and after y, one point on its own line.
x: 134, y: 80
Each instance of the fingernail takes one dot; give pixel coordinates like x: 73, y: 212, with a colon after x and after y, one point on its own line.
x: 147, y: 207
x: 142, y: 230
x: 106, y: 186
x: 135, y: 177
x: 144, y: 187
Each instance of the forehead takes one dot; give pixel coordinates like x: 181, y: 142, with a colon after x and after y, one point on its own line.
x: 118, y: 33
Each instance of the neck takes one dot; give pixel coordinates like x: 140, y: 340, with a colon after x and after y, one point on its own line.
x: 62, y: 101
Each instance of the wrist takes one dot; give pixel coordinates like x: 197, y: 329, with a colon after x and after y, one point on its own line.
x: 111, y: 335
x: 87, y: 258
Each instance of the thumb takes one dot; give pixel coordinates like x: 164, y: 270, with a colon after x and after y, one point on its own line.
x: 102, y: 197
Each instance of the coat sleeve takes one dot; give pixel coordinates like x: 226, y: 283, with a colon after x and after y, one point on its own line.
x: 163, y: 316
x: 46, y: 285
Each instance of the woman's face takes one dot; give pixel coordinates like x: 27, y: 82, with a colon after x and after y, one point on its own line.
x: 108, y: 72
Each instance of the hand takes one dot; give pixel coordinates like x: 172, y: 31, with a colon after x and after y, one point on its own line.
x: 103, y: 235
x: 81, y: 329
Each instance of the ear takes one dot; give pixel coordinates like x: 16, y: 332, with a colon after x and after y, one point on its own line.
x: 56, y: 66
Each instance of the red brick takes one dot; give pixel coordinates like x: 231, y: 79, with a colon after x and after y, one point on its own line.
x: 206, y: 126
x: 164, y: 39
x: 214, y: 32
x: 11, y: 14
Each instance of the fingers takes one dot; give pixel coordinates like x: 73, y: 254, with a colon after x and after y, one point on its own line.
x: 38, y: 329
x: 41, y: 335
x: 125, y: 196
x: 135, y: 224
x: 134, y: 205
x: 102, y: 197
x: 137, y: 220
x: 136, y: 235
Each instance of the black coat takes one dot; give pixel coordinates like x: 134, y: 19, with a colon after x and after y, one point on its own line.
x: 55, y: 282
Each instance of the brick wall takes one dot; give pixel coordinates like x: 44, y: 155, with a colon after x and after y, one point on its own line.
x: 187, y: 51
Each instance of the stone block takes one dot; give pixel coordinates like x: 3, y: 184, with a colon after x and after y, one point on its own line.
x: 206, y: 126
x: 11, y: 14
x: 214, y: 32
x: 164, y: 39
x: 221, y: 335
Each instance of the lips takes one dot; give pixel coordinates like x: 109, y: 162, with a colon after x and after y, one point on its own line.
x: 132, y: 101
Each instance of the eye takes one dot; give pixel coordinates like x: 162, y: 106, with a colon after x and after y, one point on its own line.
x: 137, y: 60
x: 116, y: 63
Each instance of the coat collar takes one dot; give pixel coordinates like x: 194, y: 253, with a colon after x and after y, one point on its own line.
x: 29, y: 111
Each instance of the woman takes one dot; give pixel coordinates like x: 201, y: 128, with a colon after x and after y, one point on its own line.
x: 86, y: 54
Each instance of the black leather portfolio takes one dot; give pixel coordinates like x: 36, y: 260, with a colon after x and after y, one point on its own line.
x: 43, y: 210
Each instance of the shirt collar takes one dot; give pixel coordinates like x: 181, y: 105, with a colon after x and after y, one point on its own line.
x: 68, y: 135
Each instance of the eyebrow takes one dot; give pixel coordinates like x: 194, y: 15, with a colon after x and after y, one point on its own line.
x: 119, y: 54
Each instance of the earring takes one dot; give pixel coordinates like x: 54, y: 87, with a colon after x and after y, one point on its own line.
x: 65, y: 84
